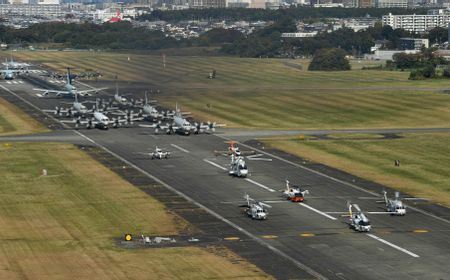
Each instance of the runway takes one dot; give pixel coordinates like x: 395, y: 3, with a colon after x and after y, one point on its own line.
x: 299, y: 239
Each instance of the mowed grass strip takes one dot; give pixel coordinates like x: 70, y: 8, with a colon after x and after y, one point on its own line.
x: 273, y: 93
x: 424, y: 160
x: 13, y: 122
x: 64, y: 225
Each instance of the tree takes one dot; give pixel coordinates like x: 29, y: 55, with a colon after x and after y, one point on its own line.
x: 332, y: 59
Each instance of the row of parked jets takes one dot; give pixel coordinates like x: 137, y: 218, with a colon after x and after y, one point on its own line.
x: 97, y: 115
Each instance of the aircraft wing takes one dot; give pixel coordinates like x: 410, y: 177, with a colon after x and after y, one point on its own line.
x: 88, y: 92
x: 46, y: 92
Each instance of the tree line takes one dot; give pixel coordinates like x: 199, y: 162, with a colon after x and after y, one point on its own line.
x: 298, y: 13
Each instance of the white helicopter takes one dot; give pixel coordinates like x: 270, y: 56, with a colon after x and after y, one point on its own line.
x: 396, y: 206
x: 358, y: 220
x: 255, y: 209
x: 238, y: 167
x: 77, y: 109
x: 294, y: 193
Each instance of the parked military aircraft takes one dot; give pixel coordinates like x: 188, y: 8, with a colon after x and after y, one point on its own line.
x: 157, y: 154
x: 71, y: 90
x: 294, y: 193
x: 15, y: 65
x: 238, y: 167
x: 358, y: 220
x: 77, y: 109
x: 9, y: 74
x: 255, y: 209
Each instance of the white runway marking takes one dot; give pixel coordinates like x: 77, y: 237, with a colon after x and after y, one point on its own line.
x: 393, y: 245
x: 259, y: 185
x: 20, y: 82
x: 215, y: 164
x: 318, y: 211
x: 179, y: 148
x: 334, y: 179
x: 8, y: 82
x: 14, y: 82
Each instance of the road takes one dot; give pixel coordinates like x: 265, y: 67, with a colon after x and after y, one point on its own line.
x: 304, y: 236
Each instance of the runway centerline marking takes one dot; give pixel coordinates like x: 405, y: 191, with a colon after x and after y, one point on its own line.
x: 260, y: 241
x: 179, y: 148
x: 259, y: 185
x: 318, y: 211
x: 331, y: 178
x: 215, y: 164
x: 393, y: 245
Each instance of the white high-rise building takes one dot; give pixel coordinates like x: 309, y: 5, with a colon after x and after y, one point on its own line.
x: 49, y: 2
x: 416, y: 23
x: 391, y: 3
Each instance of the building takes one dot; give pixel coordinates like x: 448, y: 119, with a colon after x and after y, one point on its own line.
x: 200, y: 4
x: 416, y: 23
x: 365, y: 4
x: 299, y: 34
x: 51, y: 11
x: 386, y: 55
x: 413, y: 43
x: 391, y: 3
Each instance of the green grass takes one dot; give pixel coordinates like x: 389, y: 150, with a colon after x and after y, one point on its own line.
x: 5, y: 126
x: 273, y: 93
x: 12, y: 121
x: 424, y: 161
x: 64, y: 225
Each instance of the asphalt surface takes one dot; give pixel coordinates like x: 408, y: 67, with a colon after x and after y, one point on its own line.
x: 298, y: 237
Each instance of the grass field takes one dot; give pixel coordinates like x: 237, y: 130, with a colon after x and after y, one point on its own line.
x: 273, y: 93
x: 62, y: 226
x: 13, y: 122
x: 424, y: 160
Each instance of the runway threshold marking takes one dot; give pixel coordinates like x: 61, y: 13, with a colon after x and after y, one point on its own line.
x: 259, y: 185
x: 421, y: 231
x: 179, y: 148
x: 215, y: 164
x: 232, y: 238
x: 269, y: 236
x: 317, y: 211
x: 393, y: 245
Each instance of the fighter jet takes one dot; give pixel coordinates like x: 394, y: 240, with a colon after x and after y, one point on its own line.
x: 71, y: 90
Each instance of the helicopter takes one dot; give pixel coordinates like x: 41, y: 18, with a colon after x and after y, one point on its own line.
x: 294, y: 193
x: 233, y: 149
x: 238, y: 167
x: 255, y: 209
x: 395, y: 206
x: 358, y: 220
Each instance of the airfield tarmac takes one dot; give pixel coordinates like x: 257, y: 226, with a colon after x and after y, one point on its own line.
x: 296, y: 237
